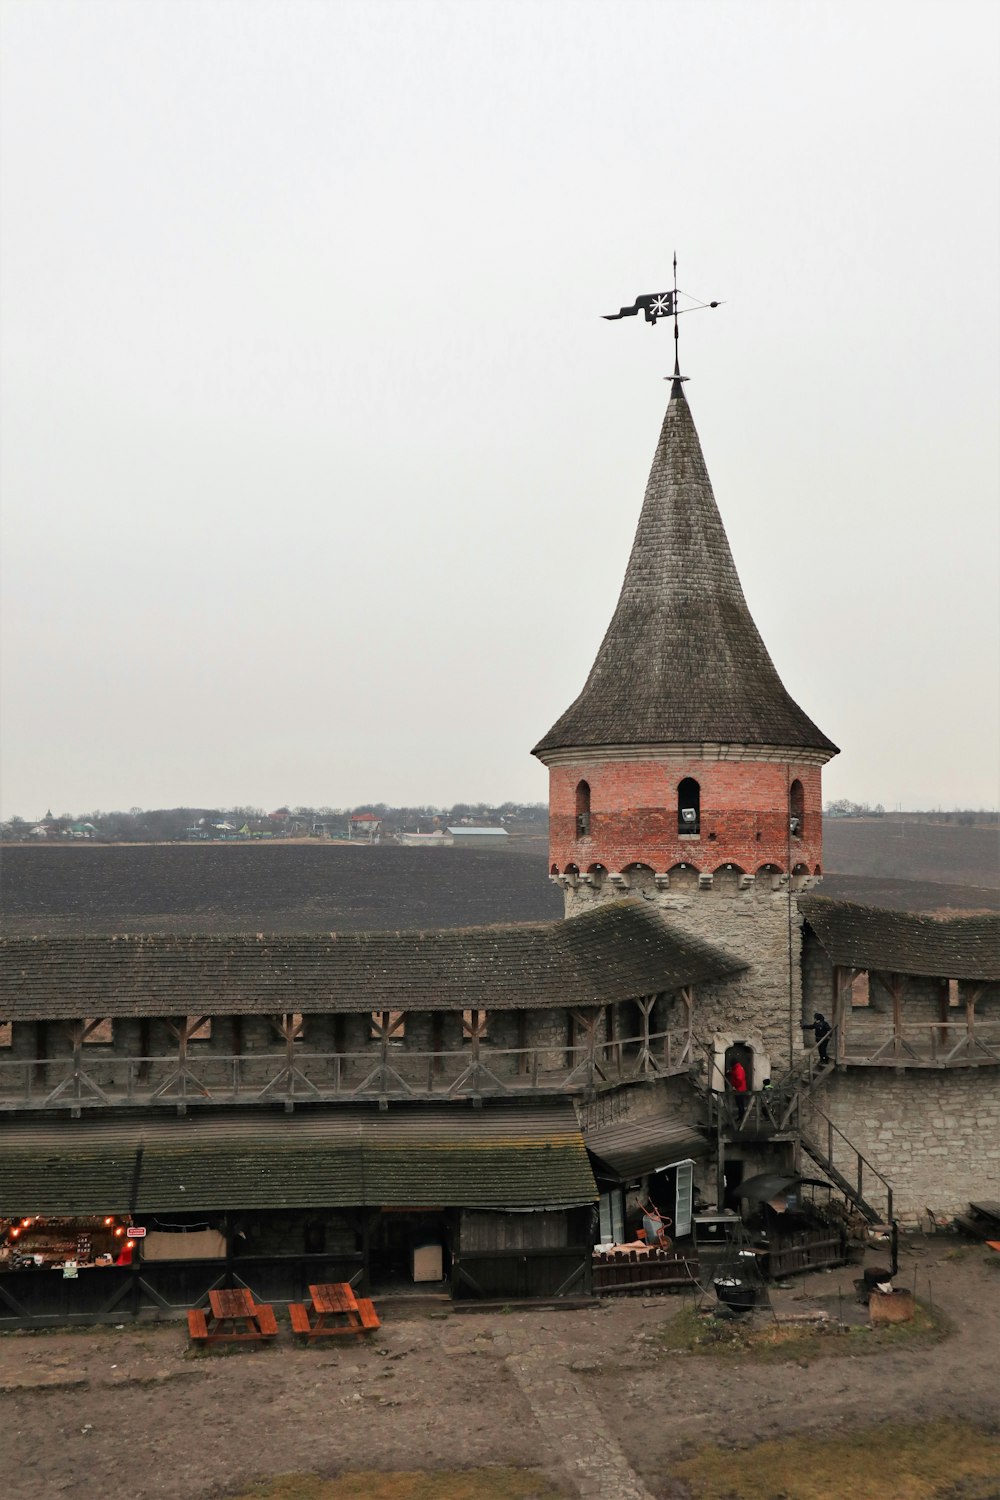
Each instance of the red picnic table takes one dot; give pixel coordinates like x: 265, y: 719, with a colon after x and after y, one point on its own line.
x: 334, y: 1311
x: 235, y: 1318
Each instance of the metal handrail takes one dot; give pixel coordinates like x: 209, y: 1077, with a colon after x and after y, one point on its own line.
x: 861, y: 1161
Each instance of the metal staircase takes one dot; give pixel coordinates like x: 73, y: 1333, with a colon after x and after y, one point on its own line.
x: 854, y: 1187
x: 777, y: 1114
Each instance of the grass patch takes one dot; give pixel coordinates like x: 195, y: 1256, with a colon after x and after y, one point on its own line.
x: 736, y: 1338
x: 441, y: 1484
x: 932, y: 1461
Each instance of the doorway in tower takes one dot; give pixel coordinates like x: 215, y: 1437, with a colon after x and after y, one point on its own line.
x: 733, y: 1169
x: 741, y: 1052
x: 409, y: 1249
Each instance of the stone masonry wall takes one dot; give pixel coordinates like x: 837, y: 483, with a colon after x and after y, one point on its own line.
x: 753, y: 925
x: 934, y: 1134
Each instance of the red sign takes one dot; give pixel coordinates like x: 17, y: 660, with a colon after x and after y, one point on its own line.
x: 134, y: 1232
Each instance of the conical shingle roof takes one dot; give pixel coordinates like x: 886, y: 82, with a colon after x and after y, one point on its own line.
x: 682, y: 661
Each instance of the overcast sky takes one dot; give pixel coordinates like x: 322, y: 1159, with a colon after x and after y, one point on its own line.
x: 320, y: 469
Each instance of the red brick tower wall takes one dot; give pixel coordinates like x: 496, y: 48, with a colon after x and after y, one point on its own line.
x: 744, y: 816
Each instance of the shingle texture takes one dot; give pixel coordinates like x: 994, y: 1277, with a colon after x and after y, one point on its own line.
x: 682, y: 661
x: 617, y: 952
x: 522, y: 1156
x: 901, y: 942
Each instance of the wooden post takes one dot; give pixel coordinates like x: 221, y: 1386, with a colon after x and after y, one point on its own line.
x: 180, y: 1028
x: 895, y: 984
x: 592, y: 1068
x: 437, y: 1041
x: 236, y: 1044
x: 145, y: 1045
x: 971, y: 997
x: 687, y: 1000
x: 76, y: 1030
x: 645, y: 1056
x: 940, y: 1034
x: 585, y: 1023
x: 838, y: 1010
x: 291, y: 1032
x: 846, y: 1003
x: 41, y: 1050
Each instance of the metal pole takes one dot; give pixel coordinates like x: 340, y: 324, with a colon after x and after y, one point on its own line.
x: 788, y: 867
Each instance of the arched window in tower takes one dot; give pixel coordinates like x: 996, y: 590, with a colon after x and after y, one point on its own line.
x: 689, y: 806
x: 796, y: 809
x: 583, y: 809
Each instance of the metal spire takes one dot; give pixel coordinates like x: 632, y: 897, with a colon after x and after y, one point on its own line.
x: 677, y: 362
x: 655, y: 305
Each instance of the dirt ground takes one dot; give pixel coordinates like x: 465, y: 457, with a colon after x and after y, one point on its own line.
x: 113, y: 1412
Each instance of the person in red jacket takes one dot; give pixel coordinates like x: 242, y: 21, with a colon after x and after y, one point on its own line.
x: 737, y: 1080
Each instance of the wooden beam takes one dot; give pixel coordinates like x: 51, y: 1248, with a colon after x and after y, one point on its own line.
x: 838, y: 1011
x: 437, y: 1040
x: 896, y: 990
x: 522, y: 1041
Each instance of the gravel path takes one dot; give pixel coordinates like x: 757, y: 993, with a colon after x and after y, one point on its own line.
x: 588, y: 1396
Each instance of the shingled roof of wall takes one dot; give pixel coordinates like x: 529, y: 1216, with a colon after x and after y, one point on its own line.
x: 898, y: 942
x: 501, y: 1156
x: 616, y: 952
x: 682, y: 661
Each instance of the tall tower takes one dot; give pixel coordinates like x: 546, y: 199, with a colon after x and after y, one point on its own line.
x: 684, y: 770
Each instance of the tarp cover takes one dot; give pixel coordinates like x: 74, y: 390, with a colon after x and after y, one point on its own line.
x: 190, y: 1244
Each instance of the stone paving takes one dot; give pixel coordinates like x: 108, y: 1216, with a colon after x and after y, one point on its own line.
x: 578, y: 1442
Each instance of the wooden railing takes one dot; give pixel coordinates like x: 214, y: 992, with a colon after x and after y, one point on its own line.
x: 771, y: 1111
x: 294, y: 1076
x: 927, y: 1044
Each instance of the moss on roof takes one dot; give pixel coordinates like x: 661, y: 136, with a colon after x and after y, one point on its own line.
x: 901, y: 942
x: 616, y: 952
x: 499, y: 1156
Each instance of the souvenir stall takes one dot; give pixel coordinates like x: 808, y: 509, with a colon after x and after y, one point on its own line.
x: 47, y: 1242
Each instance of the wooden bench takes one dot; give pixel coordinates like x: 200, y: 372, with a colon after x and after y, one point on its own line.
x: 299, y: 1315
x: 369, y: 1317
x: 197, y: 1327
x: 266, y: 1321
x: 235, y: 1319
x: 334, y: 1312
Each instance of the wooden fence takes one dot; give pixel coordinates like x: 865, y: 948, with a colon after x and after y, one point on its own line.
x: 631, y: 1273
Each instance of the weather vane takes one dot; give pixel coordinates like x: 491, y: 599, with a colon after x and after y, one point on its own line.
x: 654, y: 305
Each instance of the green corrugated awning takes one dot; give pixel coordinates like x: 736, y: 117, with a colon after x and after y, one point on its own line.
x: 507, y: 1156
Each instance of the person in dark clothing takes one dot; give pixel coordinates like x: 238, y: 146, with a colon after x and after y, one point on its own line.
x: 822, y: 1031
x: 767, y: 1099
